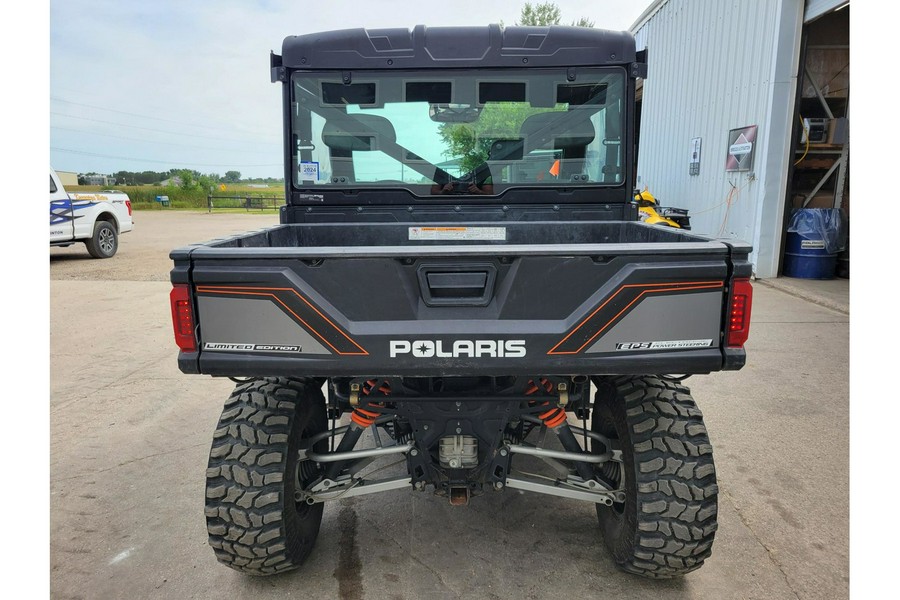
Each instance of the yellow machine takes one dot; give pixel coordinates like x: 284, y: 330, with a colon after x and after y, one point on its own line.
x: 651, y: 212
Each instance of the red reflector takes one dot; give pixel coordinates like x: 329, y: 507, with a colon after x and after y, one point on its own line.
x: 739, y: 317
x: 183, y: 317
x: 128, y: 204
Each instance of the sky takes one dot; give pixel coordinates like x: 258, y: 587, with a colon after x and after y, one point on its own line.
x: 151, y: 86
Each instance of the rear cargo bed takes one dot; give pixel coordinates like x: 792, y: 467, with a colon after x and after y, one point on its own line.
x: 381, y: 299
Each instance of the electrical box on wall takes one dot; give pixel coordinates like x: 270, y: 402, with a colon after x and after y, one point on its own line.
x: 815, y: 130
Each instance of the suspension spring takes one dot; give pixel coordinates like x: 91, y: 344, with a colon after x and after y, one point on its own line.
x: 533, y: 387
x: 554, y: 417
x: 365, y: 417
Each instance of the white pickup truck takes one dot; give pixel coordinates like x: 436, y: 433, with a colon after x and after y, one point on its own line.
x: 96, y: 219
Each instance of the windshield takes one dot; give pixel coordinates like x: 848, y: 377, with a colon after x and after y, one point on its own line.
x: 458, y: 133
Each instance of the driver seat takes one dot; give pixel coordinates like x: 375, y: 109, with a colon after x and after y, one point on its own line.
x: 356, y: 132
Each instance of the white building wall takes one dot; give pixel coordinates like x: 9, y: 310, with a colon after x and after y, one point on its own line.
x: 714, y: 66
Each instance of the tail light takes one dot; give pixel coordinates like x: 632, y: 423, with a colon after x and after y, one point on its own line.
x: 738, y: 329
x: 128, y: 205
x: 183, y: 317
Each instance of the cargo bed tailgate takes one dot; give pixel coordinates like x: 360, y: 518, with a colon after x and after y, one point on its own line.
x: 279, y: 302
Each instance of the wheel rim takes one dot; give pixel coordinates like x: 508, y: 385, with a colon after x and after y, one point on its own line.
x: 107, y: 240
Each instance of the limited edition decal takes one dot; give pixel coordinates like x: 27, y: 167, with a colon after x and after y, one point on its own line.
x: 667, y: 345
x: 251, y: 347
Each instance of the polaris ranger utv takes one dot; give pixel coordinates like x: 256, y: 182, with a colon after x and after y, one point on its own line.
x: 461, y: 268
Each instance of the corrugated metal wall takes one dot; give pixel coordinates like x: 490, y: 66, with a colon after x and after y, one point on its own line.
x: 817, y: 8
x: 714, y: 66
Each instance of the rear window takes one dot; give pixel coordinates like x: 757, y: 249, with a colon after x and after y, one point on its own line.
x: 459, y: 132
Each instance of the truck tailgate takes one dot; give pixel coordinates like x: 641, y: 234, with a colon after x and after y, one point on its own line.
x: 575, y: 298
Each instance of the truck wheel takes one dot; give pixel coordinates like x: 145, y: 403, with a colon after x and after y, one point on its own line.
x: 666, y: 525
x: 254, y: 524
x: 104, y: 242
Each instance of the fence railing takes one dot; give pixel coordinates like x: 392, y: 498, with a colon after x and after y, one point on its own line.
x: 246, y: 202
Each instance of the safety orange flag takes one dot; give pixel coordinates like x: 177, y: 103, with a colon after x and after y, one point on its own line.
x: 554, y: 170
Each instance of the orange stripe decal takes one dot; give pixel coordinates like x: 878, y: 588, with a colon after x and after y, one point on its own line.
x: 646, y: 288
x: 275, y: 295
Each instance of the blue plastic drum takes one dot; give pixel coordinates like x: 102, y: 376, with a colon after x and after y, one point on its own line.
x: 813, y: 243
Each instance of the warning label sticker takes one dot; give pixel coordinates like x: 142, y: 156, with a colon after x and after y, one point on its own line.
x: 812, y: 244
x: 449, y: 234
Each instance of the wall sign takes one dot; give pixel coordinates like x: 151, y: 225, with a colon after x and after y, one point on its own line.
x: 741, y: 146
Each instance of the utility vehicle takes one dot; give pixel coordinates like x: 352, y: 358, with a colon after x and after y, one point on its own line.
x: 460, y: 281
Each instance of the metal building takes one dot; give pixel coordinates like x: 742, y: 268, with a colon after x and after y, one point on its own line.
x: 722, y: 130
x: 67, y: 178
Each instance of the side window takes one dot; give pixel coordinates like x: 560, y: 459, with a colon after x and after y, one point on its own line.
x: 52, y: 185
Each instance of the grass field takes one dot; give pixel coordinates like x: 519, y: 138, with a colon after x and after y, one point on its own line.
x: 143, y: 197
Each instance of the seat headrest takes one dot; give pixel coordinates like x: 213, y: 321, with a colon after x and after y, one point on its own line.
x: 358, y: 132
x: 558, y: 130
x: 506, y: 149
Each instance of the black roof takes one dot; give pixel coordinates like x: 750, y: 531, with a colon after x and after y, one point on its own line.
x: 458, y: 47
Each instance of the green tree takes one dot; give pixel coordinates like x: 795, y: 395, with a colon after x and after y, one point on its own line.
x: 232, y: 176
x: 209, y: 180
x: 583, y: 22
x: 546, y: 13
x: 189, y: 178
x: 139, y: 177
x: 471, y: 142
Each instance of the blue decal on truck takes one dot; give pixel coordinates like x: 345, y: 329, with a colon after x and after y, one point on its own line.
x: 62, y: 211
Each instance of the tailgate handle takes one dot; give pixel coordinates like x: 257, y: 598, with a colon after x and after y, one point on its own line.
x: 464, y: 283
x: 468, y: 285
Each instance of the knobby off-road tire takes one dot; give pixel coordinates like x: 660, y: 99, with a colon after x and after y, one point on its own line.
x: 254, y: 524
x: 666, y: 525
x: 104, y: 242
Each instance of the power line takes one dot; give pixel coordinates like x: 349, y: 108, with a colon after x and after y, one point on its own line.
x: 130, y: 114
x: 206, y: 137
x: 161, y: 162
x: 120, y: 137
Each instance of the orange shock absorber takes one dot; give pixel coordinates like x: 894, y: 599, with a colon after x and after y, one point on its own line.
x: 554, y: 417
x: 373, y: 384
x: 363, y: 417
x: 533, y: 387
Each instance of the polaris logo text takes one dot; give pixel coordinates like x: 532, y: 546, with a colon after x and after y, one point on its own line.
x: 459, y: 348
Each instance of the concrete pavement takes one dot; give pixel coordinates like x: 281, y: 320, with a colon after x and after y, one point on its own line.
x: 130, y: 434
